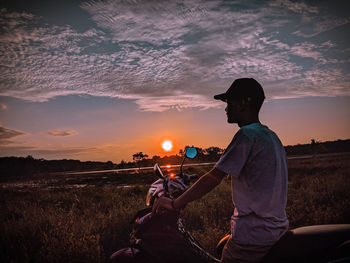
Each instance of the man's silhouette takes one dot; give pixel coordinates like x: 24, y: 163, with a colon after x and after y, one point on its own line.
x: 256, y: 161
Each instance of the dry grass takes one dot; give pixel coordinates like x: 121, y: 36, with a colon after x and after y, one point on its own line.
x: 88, y: 224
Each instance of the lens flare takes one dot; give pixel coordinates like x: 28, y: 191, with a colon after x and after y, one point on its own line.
x: 167, y: 145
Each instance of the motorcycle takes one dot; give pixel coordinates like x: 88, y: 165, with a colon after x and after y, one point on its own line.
x: 162, y: 237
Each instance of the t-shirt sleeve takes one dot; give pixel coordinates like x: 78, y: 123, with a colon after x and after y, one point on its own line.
x: 236, y: 154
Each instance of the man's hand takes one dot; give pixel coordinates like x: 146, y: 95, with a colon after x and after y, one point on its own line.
x: 201, y: 187
x: 161, y: 204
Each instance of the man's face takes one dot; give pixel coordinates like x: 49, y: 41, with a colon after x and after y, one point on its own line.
x: 234, y: 110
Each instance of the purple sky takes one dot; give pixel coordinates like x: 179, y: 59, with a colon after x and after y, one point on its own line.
x: 100, y: 80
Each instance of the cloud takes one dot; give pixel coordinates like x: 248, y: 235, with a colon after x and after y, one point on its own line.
x: 172, y: 102
x: 24, y: 150
x: 314, y: 19
x: 306, y: 50
x: 297, y: 7
x: 6, y: 135
x: 63, y: 151
x: 316, y: 25
x: 320, y: 79
x: 62, y: 133
x: 171, y: 54
x: 155, y: 22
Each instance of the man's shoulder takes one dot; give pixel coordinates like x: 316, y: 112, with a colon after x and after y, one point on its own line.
x: 260, y: 134
x: 253, y: 130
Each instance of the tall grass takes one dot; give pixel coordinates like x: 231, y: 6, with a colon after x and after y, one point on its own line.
x: 319, y: 191
x: 89, y: 224
x: 83, y: 225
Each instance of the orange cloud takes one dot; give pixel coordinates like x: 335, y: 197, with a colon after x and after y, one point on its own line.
x: 7, y: 134
x: 62, y: 133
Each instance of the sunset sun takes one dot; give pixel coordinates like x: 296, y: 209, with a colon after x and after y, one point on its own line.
x: 167, y: 145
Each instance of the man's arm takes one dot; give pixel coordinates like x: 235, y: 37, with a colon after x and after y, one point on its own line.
x: 201, y: 187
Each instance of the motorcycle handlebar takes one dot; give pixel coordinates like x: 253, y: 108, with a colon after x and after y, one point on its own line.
x: 191, y: 176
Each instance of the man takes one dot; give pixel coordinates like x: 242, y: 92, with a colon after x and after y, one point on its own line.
x: 256, y: 161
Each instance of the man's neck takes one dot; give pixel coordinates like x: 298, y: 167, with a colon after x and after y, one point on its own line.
x: 248, y: 121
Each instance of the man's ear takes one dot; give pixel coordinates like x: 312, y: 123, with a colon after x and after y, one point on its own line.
x: 244, y: 104
x: 247, y: 102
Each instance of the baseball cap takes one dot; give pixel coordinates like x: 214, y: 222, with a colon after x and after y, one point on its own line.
x: 243, y: 88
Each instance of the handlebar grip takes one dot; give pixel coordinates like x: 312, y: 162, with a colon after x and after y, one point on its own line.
x: 194, y: 176
x: 191, y: 176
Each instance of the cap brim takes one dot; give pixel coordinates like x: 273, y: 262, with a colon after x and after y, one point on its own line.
x: 222, y: 96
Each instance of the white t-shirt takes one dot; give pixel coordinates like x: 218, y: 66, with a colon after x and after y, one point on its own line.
x: 256, y: 160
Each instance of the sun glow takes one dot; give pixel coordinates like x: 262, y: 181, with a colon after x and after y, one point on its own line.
x: 167, y: 145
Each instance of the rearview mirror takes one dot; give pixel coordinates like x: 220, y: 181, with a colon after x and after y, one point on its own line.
x: 191, y: 152
x: 158, y: 171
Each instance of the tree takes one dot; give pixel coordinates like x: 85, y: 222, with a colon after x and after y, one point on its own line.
x: 155, y: 158
x: 181, y: 152
x: 313, y: 148
x: 213, y: 151
x: 122, y: 164
x: 139, y: 157
x: 30, y: 157
x: 110, y: 164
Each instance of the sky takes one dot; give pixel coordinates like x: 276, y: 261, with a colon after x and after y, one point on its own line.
x: 102, y: 80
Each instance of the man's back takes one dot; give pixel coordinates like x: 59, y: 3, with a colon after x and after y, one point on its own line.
x: 256, y: 161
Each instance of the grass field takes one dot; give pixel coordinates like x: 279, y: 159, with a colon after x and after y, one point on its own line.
x: 87, y: 224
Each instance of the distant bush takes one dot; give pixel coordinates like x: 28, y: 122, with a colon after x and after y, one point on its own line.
x: 28, y: 166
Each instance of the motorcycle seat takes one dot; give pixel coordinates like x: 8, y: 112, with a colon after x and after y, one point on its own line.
x: 319, y: 243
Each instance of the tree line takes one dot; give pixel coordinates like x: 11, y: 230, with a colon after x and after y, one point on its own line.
x: 316, y: 147
x: 26, y: 166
